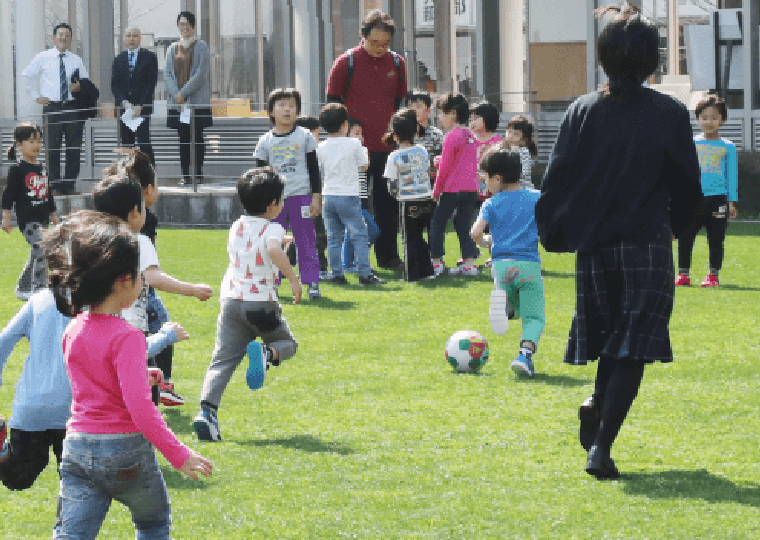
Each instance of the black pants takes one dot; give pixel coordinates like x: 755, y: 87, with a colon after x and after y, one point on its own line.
x: 617, y: 384
x: 385, y: 209
x: 63, y: 122
x: 715, y: 226
x: 141, y: 135
x: 416, y: 217
x: 185, y: 140
x: 28, y: 455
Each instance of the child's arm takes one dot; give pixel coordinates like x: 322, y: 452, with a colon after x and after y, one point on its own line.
x: 18, y: 327
x: 280, y: 259
x: 445, y: 163
x: 733, y: 182
x: 169, y: 334
x: 7, y: 226
x: 315, y: 180
x: 163, y: 282
x: 476, y: 233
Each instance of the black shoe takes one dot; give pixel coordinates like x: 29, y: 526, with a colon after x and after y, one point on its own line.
x: 335, y: 280
x: 600, y: 464
x: 588, y: 414
x: 371, y: 279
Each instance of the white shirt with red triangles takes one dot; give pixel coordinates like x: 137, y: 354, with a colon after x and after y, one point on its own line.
x: 251, y: 275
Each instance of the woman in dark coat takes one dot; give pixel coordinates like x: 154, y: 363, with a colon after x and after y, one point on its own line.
x: 623, y: 178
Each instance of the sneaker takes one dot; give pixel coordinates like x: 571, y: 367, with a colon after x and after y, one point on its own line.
x: 324, y: 274
x: 313, y: 291
x: 523, y: 365
x: 464, y: 271
x: 334, y: 279
x: 711, y: 280
x: 206, y: 425
x: 169, y: 397
x: 683, y: 281
x: 257, y: 365
x: 497, y: 312
x: 3, y: 432
x: 439, y: 269
x: 350, y: 270
x: 371, y: 279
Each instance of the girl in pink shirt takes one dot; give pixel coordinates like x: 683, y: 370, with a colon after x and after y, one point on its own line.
x: 108, y: 452
x: 456, y: 185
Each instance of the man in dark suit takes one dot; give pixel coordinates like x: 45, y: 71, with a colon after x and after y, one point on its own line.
x: 133, y: 82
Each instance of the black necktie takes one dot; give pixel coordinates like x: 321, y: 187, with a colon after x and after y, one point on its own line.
x: 64, y: 82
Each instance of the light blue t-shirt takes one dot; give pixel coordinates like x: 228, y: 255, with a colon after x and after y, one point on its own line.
x: 43, y: 391
x: 720, y: 167
x: 511, y: 217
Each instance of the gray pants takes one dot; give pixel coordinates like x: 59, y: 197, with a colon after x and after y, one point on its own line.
x: 34, y: 276
x: 239, y: 323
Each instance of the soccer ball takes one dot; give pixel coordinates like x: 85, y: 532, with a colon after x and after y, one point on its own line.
x: 467, y: 350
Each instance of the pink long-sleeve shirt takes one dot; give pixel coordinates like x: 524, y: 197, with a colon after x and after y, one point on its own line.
x: 106, y: 360
x: 458, y: 167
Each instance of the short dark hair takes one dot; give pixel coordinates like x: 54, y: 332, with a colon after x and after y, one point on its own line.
x: 307, y: 121
x: 454, y: 101
x: 62, y: 25
x: 187, y: 15
x: 258, y: 188
x: 377, y: 19
x: 135, y: 164
x: 419, y: 95
x: 332, y: 117
x: 117, y: 195
x: 489, y: 114
x: 282, y: 93
x: 711, y: 100
x: 628, y: 49
x: 86, y: 255
x: 404, y: 126
x: 353, y: 122
x: 504, y: 161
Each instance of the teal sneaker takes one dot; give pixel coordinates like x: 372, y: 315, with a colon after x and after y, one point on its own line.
x: 522, y: 365
x: 206, y: 425
x: 257, y: 365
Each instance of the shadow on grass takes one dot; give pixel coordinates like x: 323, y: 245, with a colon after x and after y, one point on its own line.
x: 551, y: 273
x: 698, y: 484
x: 179, y: 423
x: 557, y: 380
x: 307, y: 443
x: 322, y: 303
x: 738, y: 288
x: 177, y: 480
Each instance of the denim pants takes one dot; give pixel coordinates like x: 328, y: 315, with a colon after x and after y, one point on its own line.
x: 97, y: 469
x: 463, y: 203
x: 345, y: 213
x: 373, y: 231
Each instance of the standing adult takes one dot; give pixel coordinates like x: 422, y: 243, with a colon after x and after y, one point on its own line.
x: 188, y: 84
x: 371, y: 81
x: 48, y: 82
x: 133, y: 82
x: 623, y: 178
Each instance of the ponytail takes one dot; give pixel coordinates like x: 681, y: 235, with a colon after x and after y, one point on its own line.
x: 12, y: 152
x: 532, y: 148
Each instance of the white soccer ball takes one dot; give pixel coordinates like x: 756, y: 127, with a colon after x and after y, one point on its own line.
x: 467, y: 351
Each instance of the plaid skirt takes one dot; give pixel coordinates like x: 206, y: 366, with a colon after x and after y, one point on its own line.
x: 624, y: 296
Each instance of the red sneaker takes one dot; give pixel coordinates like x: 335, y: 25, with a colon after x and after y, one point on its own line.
x: 710, y: 281
x: 683, y: 281
x: 3, y: 432
x: 170, y: 398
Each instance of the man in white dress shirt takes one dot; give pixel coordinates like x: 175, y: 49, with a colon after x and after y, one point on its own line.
x: 48, y: 82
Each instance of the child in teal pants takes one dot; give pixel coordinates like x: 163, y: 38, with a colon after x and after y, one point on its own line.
x: 516, y: 267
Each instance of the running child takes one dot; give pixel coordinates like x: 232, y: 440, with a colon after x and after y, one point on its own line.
x: 28, y: 189
x: 108, y: 452
x: 484, y: 120
x: 248, y: 296
x: 456, y: 185
x: 341, y: 157
x: 719, y: 167
x: 520, y: 134
x: 292, y: 151
x: 516, y: 267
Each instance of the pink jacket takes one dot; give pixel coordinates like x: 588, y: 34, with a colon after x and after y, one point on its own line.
x: 457, y: 169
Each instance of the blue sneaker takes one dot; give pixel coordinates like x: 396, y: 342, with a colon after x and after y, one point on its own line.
x: 523, y: 365
x: 257, y: 365
x: 206, y: 425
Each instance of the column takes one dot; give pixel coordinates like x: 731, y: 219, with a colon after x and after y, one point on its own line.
x: 511, y: 47
x: 591, y: 33
x: 750, y: 43
x: 444, y: 42
x: 99, y: 24
x: 30, y: 39
x: 6, y: 59
x: 306, y: 40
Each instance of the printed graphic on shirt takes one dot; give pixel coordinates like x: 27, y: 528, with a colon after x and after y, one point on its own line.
x: 38, y: 187
x: 711, y: 158
x: 284, y: 159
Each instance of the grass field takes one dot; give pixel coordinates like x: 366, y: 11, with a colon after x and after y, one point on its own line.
x: 368, y: 433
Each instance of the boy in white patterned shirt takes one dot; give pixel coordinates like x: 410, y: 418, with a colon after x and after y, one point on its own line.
x: 248, y: 294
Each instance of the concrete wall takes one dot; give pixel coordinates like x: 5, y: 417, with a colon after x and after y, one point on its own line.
x: 552, y: 21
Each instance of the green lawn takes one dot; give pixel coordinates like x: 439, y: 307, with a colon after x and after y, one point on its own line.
x: 368, y: 433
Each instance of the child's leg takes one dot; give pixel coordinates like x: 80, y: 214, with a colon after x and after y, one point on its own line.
x: 348, y: 251
x: 233, y: 333
x: 530, y: 301
x: 685, y: 247
x: 157, y: 316
x: 321, y: 237
x: 27, y: 456
x: 373, y: 231
x: 34, y: 275
x: 716, y: 236
x: 335, y: 231
x: 443, y: 211
x: 351, y: 215
x: 275, y: 332
x: 305, y: 239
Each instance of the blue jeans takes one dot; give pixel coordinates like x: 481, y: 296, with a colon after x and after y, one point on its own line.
x: 373, y: 231
x: 97, y: 469
x: 341, y: 214
x: 464, y: 203
x: 157, y: 314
